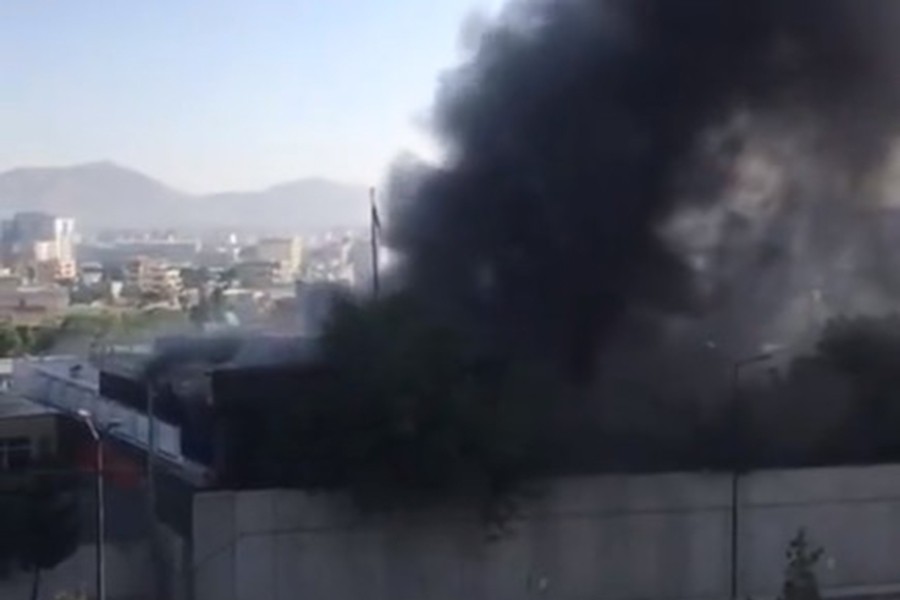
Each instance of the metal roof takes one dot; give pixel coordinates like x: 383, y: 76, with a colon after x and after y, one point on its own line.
x: 13, y: 406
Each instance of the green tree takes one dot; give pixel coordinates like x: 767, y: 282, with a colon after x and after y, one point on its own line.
x: 195, y: 277
x: 40, y: 339
x: 75, y: 331
x: 800, y: 581
x: 26, y: 336
x: 211, y: 307
x: 10, y: 342
x: 150, y: 321
x: 227, y: 278
x: 79, y: 330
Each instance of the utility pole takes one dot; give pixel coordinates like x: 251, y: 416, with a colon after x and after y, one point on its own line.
x: 158, y: 583
x: 151, y: 449
x: 101, y: 520
x: 100, y: 513
x: 375, y: 233
x: 735, y: 427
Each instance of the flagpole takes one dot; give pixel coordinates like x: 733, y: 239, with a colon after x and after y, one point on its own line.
x: 375, y: 226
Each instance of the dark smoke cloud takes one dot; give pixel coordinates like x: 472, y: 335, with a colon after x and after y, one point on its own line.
x: 614, y: 162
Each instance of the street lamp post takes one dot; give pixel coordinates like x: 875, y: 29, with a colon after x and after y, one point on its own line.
x: 151, y: 450
x: 101, y: 506
x: 735, y: 469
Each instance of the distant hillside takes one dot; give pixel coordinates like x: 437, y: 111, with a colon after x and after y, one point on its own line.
x: 103, y: 195
x: 304, y: 204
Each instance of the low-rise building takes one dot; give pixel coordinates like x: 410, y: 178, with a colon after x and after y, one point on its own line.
x: 50, y: 271
x: 91, y: 273
x: 29, y: 432
x: 39, y: 246
x: 285, y: 252
x: 151, y: 276
x: 258, y: 274
x: 119, y: 253
x: 31, y: 305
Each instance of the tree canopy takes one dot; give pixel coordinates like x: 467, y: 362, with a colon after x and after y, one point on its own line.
x: 10, y: 340
x: 78, y: 330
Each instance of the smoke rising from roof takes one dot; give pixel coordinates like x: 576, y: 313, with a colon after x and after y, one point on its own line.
x: 717, y: 163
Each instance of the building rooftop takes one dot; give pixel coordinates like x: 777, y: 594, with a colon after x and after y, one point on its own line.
x: 127, y: 364
x: 13, y: 406
x: 55, y: 386
x: 71, y: 369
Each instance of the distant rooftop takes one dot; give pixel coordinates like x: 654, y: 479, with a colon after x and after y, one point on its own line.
x: 226, y: 349
x: 127, y: 364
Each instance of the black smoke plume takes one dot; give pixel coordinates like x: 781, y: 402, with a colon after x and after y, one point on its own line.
x: 614, y: 163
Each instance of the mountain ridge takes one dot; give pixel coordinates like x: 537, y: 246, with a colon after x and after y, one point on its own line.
x: 104, y: 194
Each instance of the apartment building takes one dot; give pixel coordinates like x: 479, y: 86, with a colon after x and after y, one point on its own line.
x: 151, y: 276
x: 39, y: 246
x: 285, y: 252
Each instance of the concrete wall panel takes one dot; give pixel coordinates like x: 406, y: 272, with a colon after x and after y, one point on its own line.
x: 619, y: 538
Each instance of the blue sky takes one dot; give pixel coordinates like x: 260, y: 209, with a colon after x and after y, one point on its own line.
x: 224, y: 94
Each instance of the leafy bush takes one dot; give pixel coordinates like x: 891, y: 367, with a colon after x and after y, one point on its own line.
x: 800, y: 581
x: 10, y: 340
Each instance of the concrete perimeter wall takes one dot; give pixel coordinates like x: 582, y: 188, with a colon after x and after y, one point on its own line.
x: 616, y: 538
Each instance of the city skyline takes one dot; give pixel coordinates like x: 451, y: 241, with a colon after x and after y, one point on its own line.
x: 225, y: 95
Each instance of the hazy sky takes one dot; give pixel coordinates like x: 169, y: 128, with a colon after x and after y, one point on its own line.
x: 223, y: 94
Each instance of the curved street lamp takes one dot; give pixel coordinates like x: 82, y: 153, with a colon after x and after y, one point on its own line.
x: 100, y: 515
x: 736, y: 369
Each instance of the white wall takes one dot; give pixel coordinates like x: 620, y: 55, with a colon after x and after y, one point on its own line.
x: 629, y: 537
x: 854, y: 513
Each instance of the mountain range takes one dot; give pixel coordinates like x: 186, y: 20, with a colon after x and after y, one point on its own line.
x: 106, y: 195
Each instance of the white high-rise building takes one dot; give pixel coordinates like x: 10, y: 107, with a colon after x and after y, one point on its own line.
x: 40, y: 244
x: 287, y: 252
